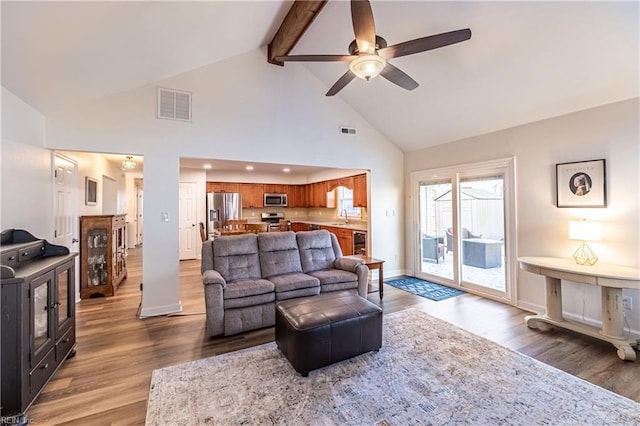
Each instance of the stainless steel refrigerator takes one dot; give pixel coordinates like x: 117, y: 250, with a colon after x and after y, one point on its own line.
x: 222, y: 206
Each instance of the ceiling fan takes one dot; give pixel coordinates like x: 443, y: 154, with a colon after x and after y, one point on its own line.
x: 369, y: 53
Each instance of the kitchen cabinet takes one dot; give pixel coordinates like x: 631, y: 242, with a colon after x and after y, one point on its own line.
x: 347, y: 182
x: 345, y: 238
x: 360, y: 190
x: 102, y: 254
x: 317, y: 194
x: 270, y: 188
x: 222, y: 187
x: 297, y: 226
x: 252, y: 195
x: 38, y: 316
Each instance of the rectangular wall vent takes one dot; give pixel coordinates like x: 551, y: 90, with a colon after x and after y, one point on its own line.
x: 174, y: 104
x: 347, y: 130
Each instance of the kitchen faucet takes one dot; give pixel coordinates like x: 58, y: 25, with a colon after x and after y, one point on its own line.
x: 346, y: 217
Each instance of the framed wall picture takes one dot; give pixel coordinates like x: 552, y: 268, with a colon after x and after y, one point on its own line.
x: 581, y: 184
x: 90, y: 191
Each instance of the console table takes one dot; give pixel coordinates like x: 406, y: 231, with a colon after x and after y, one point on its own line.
x: 611, y: 278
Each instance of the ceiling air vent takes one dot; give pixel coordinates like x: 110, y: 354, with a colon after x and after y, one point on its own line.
x: 174, y: 104
x: 347, y: 130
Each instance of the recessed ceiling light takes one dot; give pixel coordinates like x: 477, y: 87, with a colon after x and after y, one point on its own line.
x: 286, y: 170
x: 207, y: 166
x: 249, y: 168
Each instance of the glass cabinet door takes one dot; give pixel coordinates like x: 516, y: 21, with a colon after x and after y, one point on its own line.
x: 64, y: 297
x: 97, y: 256
x: 40, y: 318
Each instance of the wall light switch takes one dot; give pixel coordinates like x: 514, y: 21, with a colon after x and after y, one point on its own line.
x: 164, y: 216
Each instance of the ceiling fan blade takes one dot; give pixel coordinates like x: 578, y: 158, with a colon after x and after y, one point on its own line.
x: 363, y: 26
x: 315, y: 58
x: 341, y: 83
x: 396, y: 76
x: 425, y: 43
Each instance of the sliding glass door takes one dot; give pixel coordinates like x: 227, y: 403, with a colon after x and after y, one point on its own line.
x: 463, y: 217
x: 435, y: 219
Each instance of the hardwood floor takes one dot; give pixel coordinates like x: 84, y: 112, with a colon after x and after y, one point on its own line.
x: 107, y: 382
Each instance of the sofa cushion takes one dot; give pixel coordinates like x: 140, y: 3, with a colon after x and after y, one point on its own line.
x: 246, y: 288
x: 334, y: 276
x: 236, y: 257
x: 278, y: 253
x: 295, y: 281
x: 247, y: 302
x: 316, y: 250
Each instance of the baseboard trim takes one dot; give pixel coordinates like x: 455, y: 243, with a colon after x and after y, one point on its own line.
x: 155, y: 311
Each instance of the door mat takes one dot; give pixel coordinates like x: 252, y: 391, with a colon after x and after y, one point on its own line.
x: 427, y: 289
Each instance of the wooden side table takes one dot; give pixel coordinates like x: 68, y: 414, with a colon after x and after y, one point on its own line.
x: 373, y: 263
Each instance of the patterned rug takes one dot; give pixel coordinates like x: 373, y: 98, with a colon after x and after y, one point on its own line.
x: 428, y: 372
x: 427, y: 289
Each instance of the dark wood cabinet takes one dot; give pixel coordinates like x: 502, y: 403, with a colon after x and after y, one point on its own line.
x: 38, y: 316
x: 102, y: 254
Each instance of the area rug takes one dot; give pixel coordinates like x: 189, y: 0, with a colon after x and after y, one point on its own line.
x: 428, y: 372
x: 431, y: 291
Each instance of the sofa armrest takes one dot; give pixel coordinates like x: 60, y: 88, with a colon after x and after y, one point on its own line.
x: 348, y: 263
x: 213, y: 277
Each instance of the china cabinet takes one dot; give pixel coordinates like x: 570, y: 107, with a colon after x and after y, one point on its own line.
x: 102, y: 254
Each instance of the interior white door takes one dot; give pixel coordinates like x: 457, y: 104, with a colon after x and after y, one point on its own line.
x: 188, y: 217
x: 65, y: 207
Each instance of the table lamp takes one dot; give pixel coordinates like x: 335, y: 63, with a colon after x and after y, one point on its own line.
x: 584, y: 231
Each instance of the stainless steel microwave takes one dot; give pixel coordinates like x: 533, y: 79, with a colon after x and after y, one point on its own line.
x: 275, y: 200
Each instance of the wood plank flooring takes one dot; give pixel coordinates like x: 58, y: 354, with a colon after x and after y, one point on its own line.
x: 107, y: 382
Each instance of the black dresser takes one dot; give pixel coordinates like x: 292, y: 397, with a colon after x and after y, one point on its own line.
x: 37, y: 317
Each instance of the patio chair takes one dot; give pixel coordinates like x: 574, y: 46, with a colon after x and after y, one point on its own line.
x: 466, y: 234
x: 432, y: 248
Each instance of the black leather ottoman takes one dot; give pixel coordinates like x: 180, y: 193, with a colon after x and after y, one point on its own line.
x: 316, y: 331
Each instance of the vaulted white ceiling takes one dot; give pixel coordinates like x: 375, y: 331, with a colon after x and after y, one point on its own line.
x: 526, y: 61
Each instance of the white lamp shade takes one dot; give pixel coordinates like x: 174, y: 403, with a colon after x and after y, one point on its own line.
x: 367, y: 66
x: 583, y: 230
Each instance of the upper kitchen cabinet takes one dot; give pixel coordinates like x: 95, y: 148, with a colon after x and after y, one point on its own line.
x: 318, y: 194
x: 252, y: 195
x: 347, y: 182
x: 360, y: 190
x: 222, y: 187
x: 270, y: 188
x: 296, y: 194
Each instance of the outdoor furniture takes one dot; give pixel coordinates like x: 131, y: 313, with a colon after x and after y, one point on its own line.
x: 466, y: 234
x: 313, y: 332
x: 432, y: 248
x: 482, y: 253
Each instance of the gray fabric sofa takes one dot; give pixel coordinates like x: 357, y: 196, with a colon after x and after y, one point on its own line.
x: 245, y: 276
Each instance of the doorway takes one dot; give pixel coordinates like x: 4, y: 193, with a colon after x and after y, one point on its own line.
x: 65, y: 178
x: 465, y: 217
x: 188, y: 220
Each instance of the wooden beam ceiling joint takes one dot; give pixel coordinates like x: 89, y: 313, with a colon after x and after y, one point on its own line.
x: 294, y: 25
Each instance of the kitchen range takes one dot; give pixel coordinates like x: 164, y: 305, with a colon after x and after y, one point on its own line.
x: 273, y: 219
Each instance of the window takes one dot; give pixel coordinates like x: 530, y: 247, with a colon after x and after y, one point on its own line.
x: 345, y: 202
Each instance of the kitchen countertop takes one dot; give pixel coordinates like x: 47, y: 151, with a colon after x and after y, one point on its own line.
x: 338, y: 223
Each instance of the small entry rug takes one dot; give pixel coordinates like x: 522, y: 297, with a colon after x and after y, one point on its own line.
x: 428, y: 372
x: 427, y: 289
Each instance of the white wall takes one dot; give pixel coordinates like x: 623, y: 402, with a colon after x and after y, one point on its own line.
x: 243, y: 109
x: 26, y: 191
x: 610, y: 132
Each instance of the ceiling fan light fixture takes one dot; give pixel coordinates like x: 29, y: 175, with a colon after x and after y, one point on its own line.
x: 367, y: 66
x: 128, y: 163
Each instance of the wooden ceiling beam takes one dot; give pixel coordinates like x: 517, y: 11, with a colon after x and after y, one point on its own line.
x: 300, y: 16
